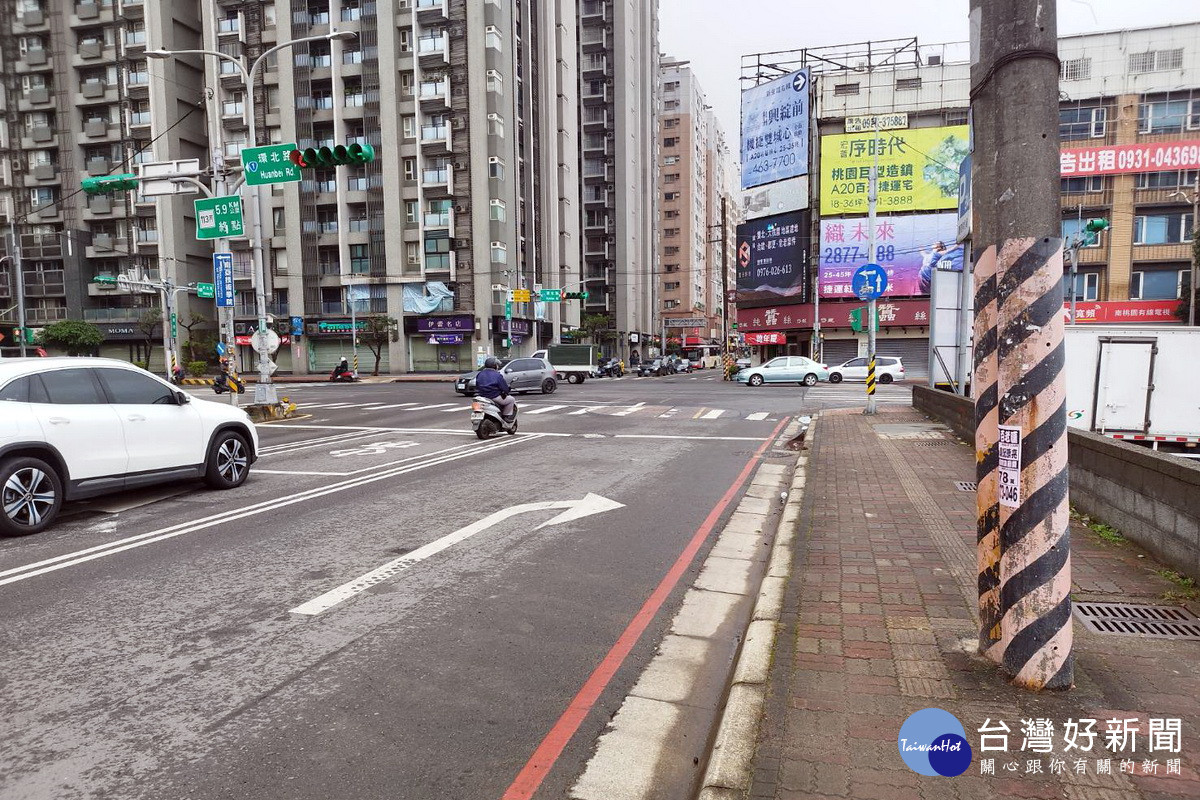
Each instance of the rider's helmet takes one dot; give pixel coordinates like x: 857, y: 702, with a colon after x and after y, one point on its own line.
x: 492, y: 363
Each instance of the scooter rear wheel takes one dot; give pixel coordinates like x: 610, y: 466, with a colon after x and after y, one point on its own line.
x: 485, y: 429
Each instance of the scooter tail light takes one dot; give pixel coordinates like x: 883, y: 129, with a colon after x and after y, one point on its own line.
x: 477, y: 406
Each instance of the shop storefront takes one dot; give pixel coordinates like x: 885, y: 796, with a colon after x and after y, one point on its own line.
x: 441, y: 343
x: 329, y: 341
x: 127, y: 342
x: 521, y: 331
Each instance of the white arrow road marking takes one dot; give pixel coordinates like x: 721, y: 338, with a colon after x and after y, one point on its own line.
x: 757, y: 415
x: 716, y: 412
x: 371, y: 449
x: 575, y: 509
x: 545, y: 410
x: 111, y: 548
x: 668, y: 414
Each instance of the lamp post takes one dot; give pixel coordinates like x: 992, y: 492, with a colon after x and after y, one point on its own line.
x: 1195, y: 234
x: 264, y: 391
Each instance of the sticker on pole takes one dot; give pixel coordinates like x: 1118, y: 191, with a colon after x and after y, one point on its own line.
x: 870, y: 281
x: 1008, y: 465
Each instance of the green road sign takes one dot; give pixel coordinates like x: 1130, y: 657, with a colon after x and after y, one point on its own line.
x: 270, y: 164
x: 218, y: 217
x: 550, y: 295
x: 174, y: 326
x: 206, y: 291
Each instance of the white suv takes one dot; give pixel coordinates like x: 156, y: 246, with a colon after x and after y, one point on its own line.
x: 887, y: 369
x: 76, y: 427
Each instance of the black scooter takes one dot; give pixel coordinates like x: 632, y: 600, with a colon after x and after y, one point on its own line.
x: 228, y: 382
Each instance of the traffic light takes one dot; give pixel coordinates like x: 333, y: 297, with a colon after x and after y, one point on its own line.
x: 106, y: 184
x: 858, y: 317
x: 1093, y: 228
x: 575, y: 295
x: 339, y: 156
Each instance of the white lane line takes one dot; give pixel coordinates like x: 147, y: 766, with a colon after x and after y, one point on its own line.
x: 293, y: 472
x: 716, y: 412
x: 545, y: 410
x: 426, y: 408
x: 584, y: 411
x: 393, y: 405
x: 304, y: 444
x: 632, y: 409
x: 697, y: 438
x: 455, y: 409
x: 757, y: 415
x: 111, y: 548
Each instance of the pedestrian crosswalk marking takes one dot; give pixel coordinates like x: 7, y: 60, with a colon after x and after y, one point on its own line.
x: 632, y: 409
x: 716, y: 412
x: 545, y: 410
x: 434, y: 405
x: 380, y: 408
x: 757, y: 416
x: 584, y: 411
x: 668, y: 414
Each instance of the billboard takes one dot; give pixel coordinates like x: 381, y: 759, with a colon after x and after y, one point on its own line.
x: 771, y: 262
x: 1126, y: 158
x: 909, y: 247
x: 775, y: 198
x: 918, y: 169
x: 775, y: 130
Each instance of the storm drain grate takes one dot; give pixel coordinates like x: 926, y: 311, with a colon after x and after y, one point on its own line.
x: 1128, y: 619
x: 966, y: 486
x: 930, y: 444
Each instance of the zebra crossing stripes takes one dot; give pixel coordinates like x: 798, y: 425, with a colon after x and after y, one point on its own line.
x: 545, y: 410
x: 641, y: 409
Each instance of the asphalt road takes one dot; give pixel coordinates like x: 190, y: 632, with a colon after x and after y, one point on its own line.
x: 179, y: 642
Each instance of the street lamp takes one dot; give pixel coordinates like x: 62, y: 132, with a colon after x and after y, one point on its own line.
x: 264, y: 392
x: 1195, y: 233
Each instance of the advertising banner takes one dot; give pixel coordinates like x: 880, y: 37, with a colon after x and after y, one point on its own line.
x: 457, y: 322
x: 775, y: 198
x: 909, y: 247
x: 1128, y: 158
x: 766, y: 338
x: 1116, y: 312
x: 892, y: 313
x: 771, y: 258
x: 775, y: 130
x: 918, y: 169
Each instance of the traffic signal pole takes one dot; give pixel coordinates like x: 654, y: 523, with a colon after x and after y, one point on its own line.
x: 19, y: 278
x: 1021, y: 446
x: 871, y: 197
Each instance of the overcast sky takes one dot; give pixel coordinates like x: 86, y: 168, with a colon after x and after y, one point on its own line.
x: 715, y: 34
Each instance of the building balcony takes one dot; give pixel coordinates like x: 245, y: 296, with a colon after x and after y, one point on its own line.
x: 434, y: 94
x: 595, y: 118
x: 133, y: 9
x: 95, y: 129
x: 30, y: 21
x: 1169, y: 196
x: 48, y: 283
x: 593, y: 96
x: 595, y: 194
x: 594, y: 11
x: 594, y: 65
x: 593, y: 39
x: 442, y: 221
x: 436, y: 137
x: 604, y: 175
x: 114, y: 314
x: 432, y: 10
x: 95, y: 94
x: 1086, y: 199
x: 92, y: 53
x: 42, y: 175
x: 433, y: 179
x: 34, y: 61
x: 1162, y: 252
x: 433, y: 50
x: 88, y: 14
x: 35, y: 99
x: 597, y: 250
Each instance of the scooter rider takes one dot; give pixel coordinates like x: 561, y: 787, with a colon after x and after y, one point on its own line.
x: 490, y: 383
x: 342, y: 367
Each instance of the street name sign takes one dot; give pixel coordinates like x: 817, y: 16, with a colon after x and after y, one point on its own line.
x: 206, y: 291
x: 550, y: 295
x: 223, y: 279
x: 219, y: 217
x: 270, y: 164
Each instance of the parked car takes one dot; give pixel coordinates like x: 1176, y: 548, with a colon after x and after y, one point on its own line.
x: 523, y: 375
x: 72, y: 428
x: 680, y: 364
x: 784, y: 369
x: 887, y: 369
x: 656, y: 368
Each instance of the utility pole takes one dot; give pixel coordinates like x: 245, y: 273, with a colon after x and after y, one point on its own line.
x: 1024, y: 549
x: 14, y: 261
x: 872, y: 189
x: 724, y: 277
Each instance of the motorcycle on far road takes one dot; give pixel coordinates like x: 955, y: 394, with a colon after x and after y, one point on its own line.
x: 487, y: 420
x: 228, y: 381
x: 342, y: 373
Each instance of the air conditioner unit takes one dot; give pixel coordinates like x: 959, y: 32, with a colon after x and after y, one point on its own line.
x: 933, y: 61
x: 459, y: 243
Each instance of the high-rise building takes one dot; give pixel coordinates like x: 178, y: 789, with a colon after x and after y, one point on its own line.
x: 471, y: 107
x: 78, y: 101
x: 618, y: 44
x: 696, y: 211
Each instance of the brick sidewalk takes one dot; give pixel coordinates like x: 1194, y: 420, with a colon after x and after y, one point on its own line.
x: 880, y: 622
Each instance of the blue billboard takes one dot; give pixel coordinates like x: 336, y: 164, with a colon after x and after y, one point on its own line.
x: 775, y: 130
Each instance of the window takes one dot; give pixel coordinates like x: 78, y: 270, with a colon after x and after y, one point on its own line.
x: 670, y: 141
x: 352, y: 55
x: 672, y: 268
x: 670, y: 160
x: 1091, y: 183
x: 957, y: 117
x: 1087, y: 286
x: 410, y: 211
x: 41, y: 196
x: 1169, y: 116
x: 127, y: 387
x: 1075, y: 69
x: 408, y: 124
x: 499, y: 212
x: 351, y: 10
x: 406, y: 84
x: 1073, y: 227
x: 495, y: 125
x: 353, y: 94
x: 669, y: 196
x: 412, y: 254
x: 406, y: 47
x: 1165, y: 180
x: 672, y: 304
x: 671, y: 213
x: 136, y: 33
x: 671, y: 105
x: 139, y: 112
x: 138, y: 75
x: 318, y: 15
x: 360, y: 259
x: 1156, y: 60
x: 319, y: 55
x: 72, y: 387
x: 671, y: 231
x: 496, y: 168
x: 671, y: 286
x: 358, y: 219
x: 908, y: 84
x: 1168, y: 228
x: 844, y: 89
x: 671, y: 86
x: 322, y: 99
x: 671, y: 177
x: 437, y: 250
x: 1083, y: 122
x: 410, y: 169
x: 229, y: 23
x: 495, y: 81
x: 27, y: 389
x: 673, y: 122
x: 1157, y: 284
x: 491, y: 37
x: 233, y: 105
x: 499, y: 253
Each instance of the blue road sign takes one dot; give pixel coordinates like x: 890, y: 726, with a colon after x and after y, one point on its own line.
x: 223, y: 278
x: 297, y: 326
x: 870, y: 281
x: 220, y: 348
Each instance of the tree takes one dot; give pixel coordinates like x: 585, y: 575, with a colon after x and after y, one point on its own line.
x: 377, y: 331
x: 595, y: 327
x: 149, y: 324
x: 194, y: 319
x: 77, y: 337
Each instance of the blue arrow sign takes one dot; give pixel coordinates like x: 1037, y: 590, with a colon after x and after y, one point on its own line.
x: 870, y: 281
x: 223, y: 279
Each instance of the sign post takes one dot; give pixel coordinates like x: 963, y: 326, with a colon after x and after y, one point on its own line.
x: 223, y: 279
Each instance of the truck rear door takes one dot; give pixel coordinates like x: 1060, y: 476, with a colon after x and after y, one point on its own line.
x: 1124, y: 382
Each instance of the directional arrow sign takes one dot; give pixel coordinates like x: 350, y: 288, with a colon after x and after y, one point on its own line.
x: 573, y: 510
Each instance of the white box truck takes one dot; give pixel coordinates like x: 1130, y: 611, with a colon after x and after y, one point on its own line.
x: 574, y: 363
x: 1139, y: 383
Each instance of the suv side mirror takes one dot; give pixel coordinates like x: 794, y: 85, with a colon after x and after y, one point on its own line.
x: 182, y: 398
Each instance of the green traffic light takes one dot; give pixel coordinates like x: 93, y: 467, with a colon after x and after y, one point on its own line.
x: 338, y: 156
x: 109, y: 183
x: 1096, y: 225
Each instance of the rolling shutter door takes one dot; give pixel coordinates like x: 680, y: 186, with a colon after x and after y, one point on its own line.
x: 913, y: 352
x: 836, y: 351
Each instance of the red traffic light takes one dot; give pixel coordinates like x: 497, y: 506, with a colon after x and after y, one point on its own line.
x: 297, y: 158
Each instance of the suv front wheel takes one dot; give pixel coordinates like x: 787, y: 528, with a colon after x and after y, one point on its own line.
x: 31, y: 495
x: 228, y: 461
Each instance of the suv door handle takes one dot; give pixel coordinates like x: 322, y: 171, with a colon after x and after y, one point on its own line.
x: 136, y: 418
x: 59, y: 421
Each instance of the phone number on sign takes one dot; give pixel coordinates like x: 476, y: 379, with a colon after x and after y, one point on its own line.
x: 1177, y: 156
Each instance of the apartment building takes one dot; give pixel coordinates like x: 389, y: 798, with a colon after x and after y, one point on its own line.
x: 618, y: 73
x: 471, y: 108
x: 78, y: 101
x: 696, y: 222
x: 1135, y: 89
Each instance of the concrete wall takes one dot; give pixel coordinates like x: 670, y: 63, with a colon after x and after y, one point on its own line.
x: 1151, y: 498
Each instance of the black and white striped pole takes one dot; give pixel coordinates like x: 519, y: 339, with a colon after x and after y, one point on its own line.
x: 872, y: 194
x: 1020, y: 384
